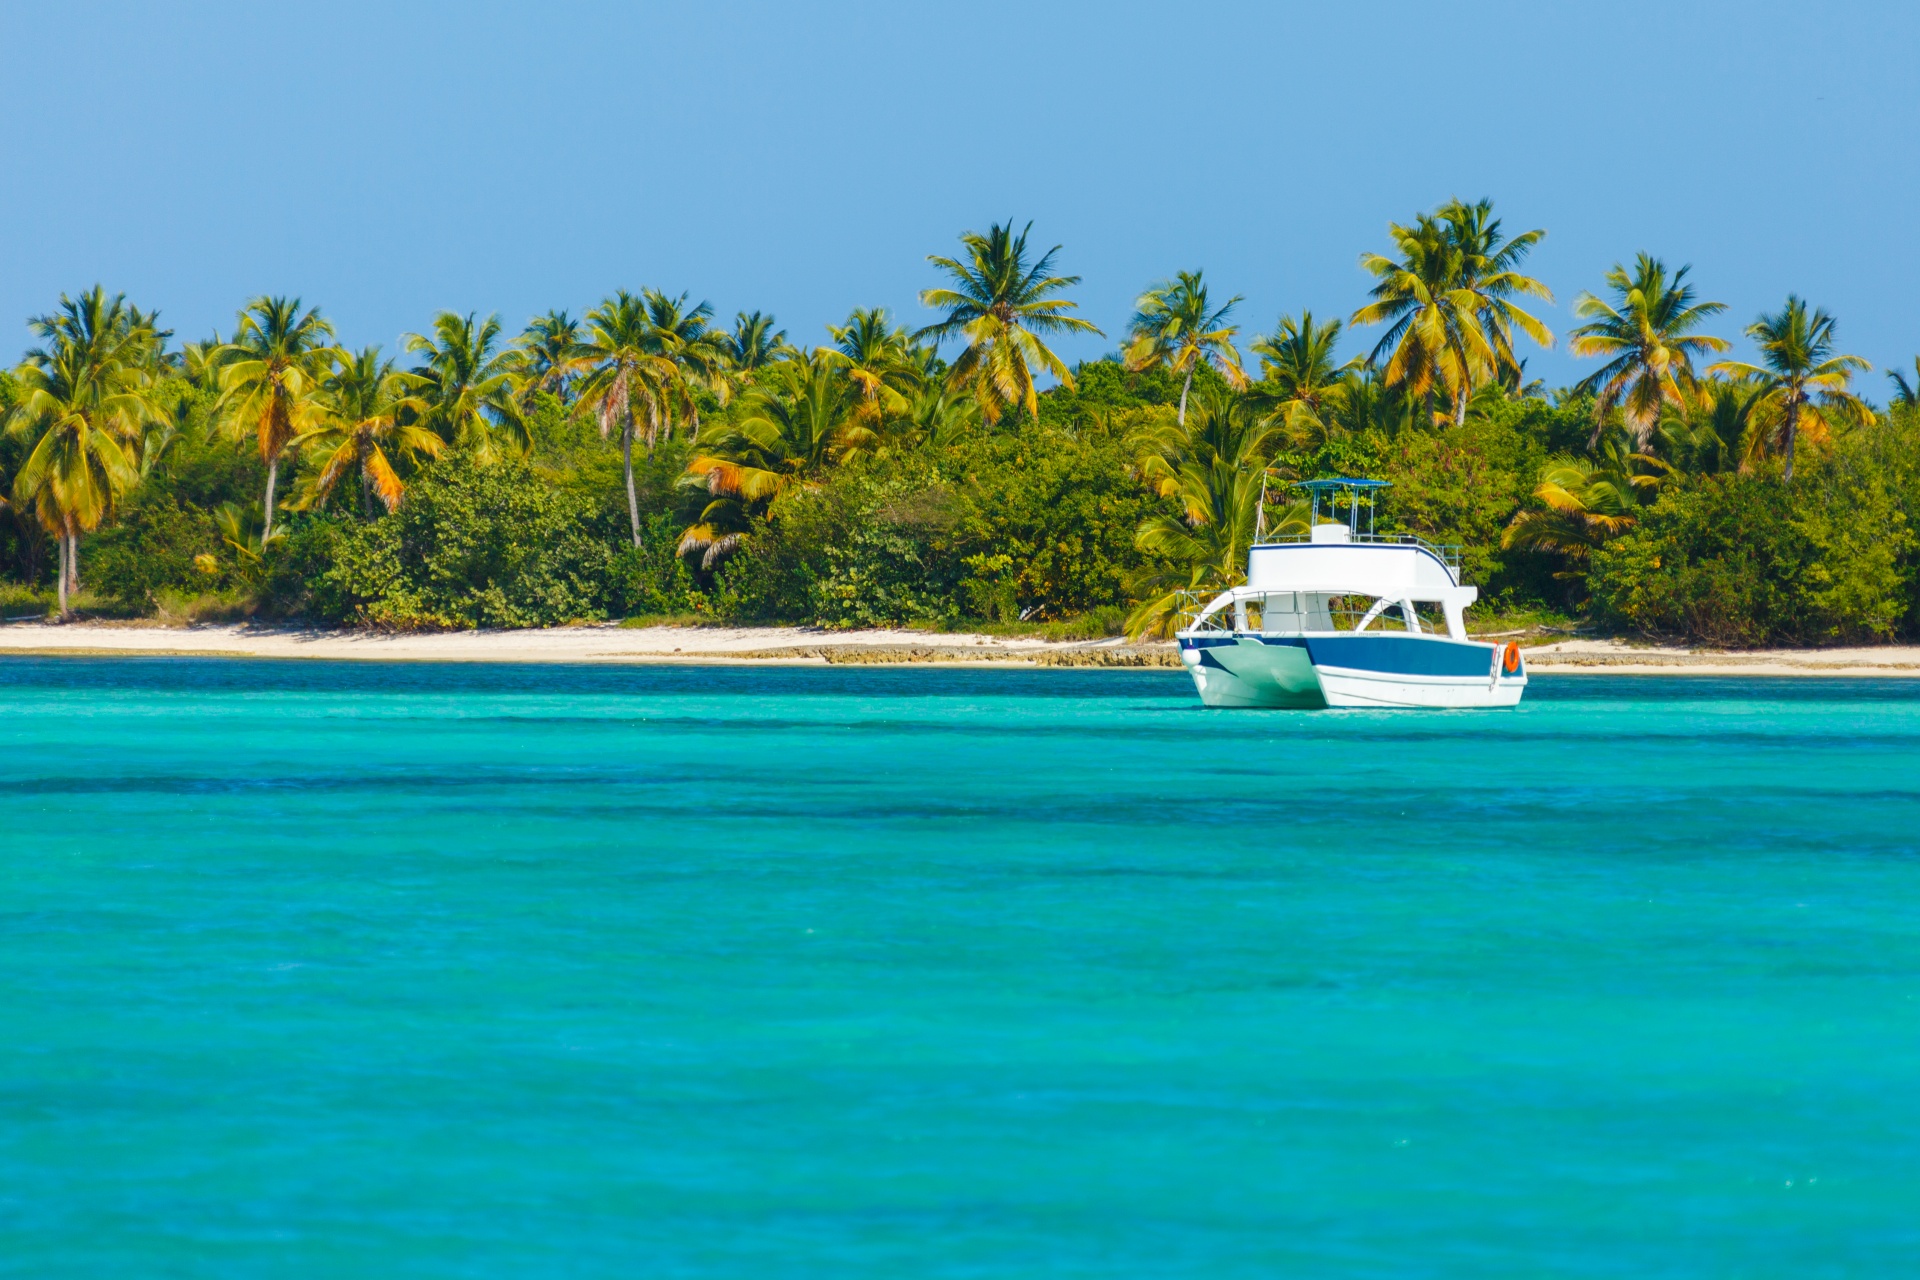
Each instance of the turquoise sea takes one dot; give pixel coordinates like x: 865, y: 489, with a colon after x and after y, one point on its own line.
x: 315, y: 969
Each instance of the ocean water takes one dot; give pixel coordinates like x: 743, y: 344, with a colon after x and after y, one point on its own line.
x: 350, y: 970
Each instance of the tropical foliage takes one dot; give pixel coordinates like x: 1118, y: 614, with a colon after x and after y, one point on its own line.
x: 1802, y: 380
x: 1646, y: 336
x: 371, y: 416
x: 81, y: 399
x: 643, y: 460
x: 1448, y: 303
x: 1175, y: 325
x: 1000, y: 305
x: 466, y: 379
x: 270, y: 376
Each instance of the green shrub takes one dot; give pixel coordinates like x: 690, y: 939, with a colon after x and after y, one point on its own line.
x: 1747, y: 560
x: 1045, y: 523
x: 1036, y: 522
x: 151, y: 549
x: 861, y: 550
x: 470, y: 546
x: 652, y: 579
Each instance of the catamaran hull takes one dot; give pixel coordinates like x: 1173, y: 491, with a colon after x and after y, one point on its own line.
x: 1303, y: 672
x: 1248, y: 673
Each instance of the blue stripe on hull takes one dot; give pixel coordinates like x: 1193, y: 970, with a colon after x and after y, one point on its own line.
x: 1383, y: 653
x: 1401, y: 655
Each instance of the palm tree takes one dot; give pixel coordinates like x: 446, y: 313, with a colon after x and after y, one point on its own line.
x: 467, y: 380
x: 754, y: 342
x: 879, y: 360
x: 1001, y: 305
x: 685, y: 338
x: 623, y: 365
x: 200, y: 363
x: 1586, y: 502
x: 1415, y: 294
x: 80, y: 395
x: 1904, y: 392
x: 1714, y: 427
x: 787, y: 433
x: 940, y: 417
x: 1800, y: 376
x: 1302, y: 382
x: 246, y: 535
x: 1489, y: 281
x: 155, y: 354
x: 1175, y: 325
x: 1215, y: 468
x: 365, y: 403
x: 548, y: 347
x: 1223, y: 432
x: 1448, y: 303
x: 270, y: 375
x: 1647, y: 338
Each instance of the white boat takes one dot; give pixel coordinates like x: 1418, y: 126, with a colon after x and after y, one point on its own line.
x: 1344, y: 618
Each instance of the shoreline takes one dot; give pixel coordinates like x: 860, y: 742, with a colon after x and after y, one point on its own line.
x: 806, y: 646
x: 599, y: 644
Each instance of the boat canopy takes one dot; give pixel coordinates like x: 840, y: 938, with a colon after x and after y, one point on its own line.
x: 1352, y: 489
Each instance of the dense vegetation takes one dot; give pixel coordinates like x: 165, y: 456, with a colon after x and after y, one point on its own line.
x: 646, y: 462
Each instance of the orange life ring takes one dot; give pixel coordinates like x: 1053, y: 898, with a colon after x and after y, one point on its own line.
x: 1512, y: 659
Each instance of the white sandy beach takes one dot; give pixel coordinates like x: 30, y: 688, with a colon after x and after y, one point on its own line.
x: 593, y: 644
x: 614, y: 644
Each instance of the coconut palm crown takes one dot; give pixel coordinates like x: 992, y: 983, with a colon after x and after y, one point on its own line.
x: 82, y: 395
x: 370, y: 415
x: 1802, y: 378
x: 1001, y: 304
x: 1175, y: 325
x: 1448, y: 303
x: 754, y: 342
x: 270, y: 376
x: 1646, y: 335
x: 804, y: 416
x: 548, y: 346
x: 1302, y: 383
x: 467, y: 377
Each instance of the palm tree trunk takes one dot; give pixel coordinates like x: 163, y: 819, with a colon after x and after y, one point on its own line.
x: 1460, y: 408
x: 273, y: 478
x: 626, y: 462
x: 1184, y: 388
x: 1792, y: 425
x: 62, y: 575
x: 69, y: 567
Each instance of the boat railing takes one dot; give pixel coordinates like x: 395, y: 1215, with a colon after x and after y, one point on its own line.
x: 1346, y: 612
x: 1189, y: 605
x: 1446, y: 553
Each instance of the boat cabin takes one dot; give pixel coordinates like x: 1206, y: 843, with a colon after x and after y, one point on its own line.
x: 1339, y: 575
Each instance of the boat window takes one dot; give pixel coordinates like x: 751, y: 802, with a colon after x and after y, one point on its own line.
x: 1280, y: 614
x: 1350, y: 611
x: 1288, y: 613
x: 1376, y: 613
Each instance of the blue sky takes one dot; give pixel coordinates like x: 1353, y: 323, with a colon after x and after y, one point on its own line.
x: 390, y: 160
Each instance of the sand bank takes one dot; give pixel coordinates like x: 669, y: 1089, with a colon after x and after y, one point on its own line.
x: 1601, y: 657
x: 804, y: 645
x: 593, y: 644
